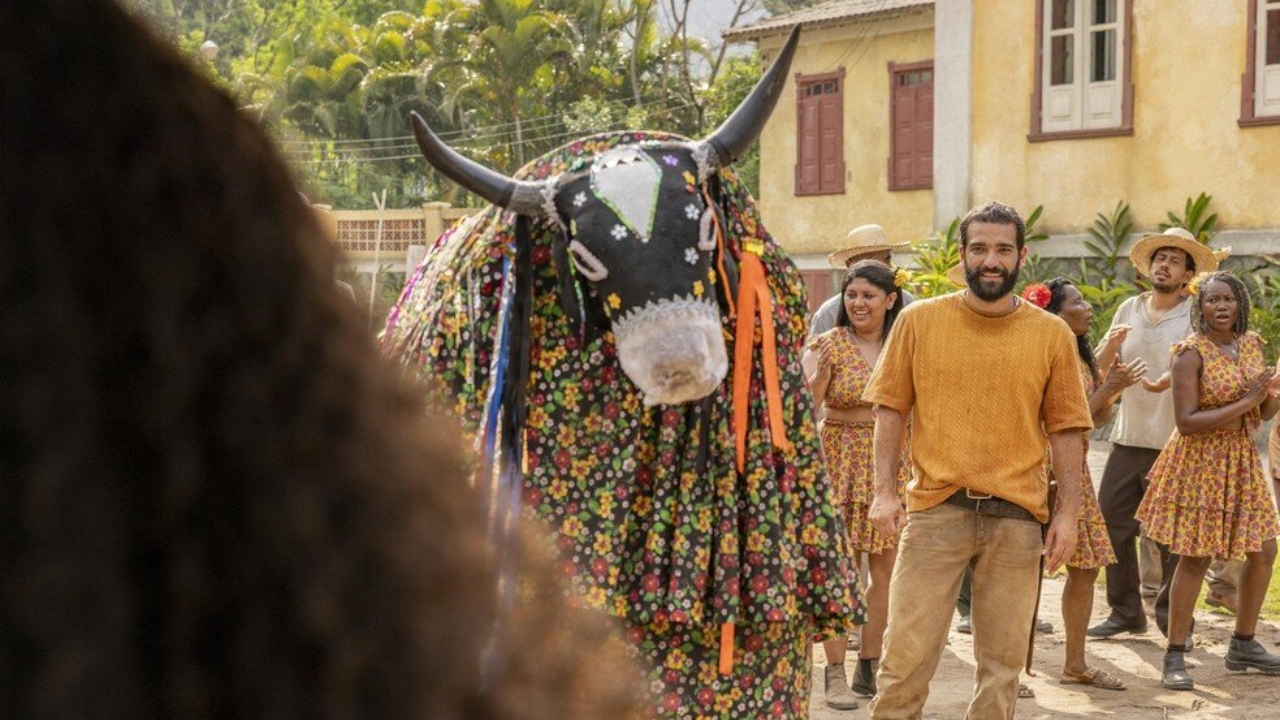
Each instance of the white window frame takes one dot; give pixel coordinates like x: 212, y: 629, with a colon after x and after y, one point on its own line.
x: 1084, y: 104
x: 1266, y: 91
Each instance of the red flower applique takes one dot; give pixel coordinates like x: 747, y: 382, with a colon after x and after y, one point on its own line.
x: 1038, y: 295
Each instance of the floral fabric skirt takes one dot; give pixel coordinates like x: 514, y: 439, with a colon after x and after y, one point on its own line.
x: 770, y: 678
x: 1093, y: 546
x: 850, y: 454
x: 1209, y: 497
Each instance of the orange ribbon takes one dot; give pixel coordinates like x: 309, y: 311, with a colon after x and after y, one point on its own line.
x: 726, y: 648
x: 753, y: 295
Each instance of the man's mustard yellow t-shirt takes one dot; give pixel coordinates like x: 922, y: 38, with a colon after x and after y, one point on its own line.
x: 982, y: 392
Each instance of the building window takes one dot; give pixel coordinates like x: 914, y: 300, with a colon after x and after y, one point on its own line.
x: 1260, y: 95
x: 911, y: 126
x: 820, y: 136
x: 1083, y: 86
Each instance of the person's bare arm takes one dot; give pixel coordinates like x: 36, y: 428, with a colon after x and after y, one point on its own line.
x: 1187, y: 413
x: 886, y: 512
x: 1067, y: 453
x: 817, y: 371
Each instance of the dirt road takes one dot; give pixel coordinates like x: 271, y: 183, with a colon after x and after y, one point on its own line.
x: 1134, y: 658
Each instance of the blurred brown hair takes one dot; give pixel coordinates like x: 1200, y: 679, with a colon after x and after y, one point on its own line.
x: 216, y: 500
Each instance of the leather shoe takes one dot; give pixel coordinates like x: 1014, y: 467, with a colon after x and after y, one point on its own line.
x: 864, y: 677
x: 1245, y: 654
x: 1110, y: 628
x: 1175, y: 675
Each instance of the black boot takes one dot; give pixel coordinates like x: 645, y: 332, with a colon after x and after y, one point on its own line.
x: 1175, y: 675
x: 864, y: 677
x: 1245, y: 654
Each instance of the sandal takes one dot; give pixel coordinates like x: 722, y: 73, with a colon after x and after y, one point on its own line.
x: 1096, y: 677
x: 1025, y: 692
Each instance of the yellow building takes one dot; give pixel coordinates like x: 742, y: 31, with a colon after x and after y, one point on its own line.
x: 1068, y: 104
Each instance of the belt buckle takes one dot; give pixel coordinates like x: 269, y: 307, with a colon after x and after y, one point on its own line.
x: 978, y: 499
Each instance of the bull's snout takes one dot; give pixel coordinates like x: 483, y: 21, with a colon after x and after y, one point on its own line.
x: 674, y: 357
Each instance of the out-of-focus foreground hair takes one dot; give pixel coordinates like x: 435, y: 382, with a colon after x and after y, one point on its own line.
x: 216, y: 500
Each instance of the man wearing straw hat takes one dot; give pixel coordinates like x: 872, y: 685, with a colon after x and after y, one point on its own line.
x: 866, y: 242
x: 1145, y: 326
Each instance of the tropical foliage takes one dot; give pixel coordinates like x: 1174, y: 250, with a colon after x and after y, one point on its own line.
x: 502, y: 80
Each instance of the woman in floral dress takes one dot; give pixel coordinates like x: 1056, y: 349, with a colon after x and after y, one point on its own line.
x: 1093, y: 548
x: 1208, y: 496
x: 838, y: 364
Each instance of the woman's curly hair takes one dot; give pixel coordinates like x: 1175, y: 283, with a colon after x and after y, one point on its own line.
x: 1241, y: 293
x: 217, y: 500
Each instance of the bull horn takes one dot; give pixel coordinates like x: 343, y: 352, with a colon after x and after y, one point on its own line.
x: 520, y: 196
x: 736, y: 134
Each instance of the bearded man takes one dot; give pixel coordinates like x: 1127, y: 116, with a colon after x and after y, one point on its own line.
x: 985, y: 376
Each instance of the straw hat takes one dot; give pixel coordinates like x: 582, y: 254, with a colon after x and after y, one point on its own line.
x: 1175, y: 237
x: 1222, y: 253
x: 956, y: 274
x: 863, y: 240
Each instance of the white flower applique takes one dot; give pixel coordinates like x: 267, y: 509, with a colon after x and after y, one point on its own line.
x: 691, y: 256
x: 692, y: 212
x: 580, y: 199
x: 619, y: 232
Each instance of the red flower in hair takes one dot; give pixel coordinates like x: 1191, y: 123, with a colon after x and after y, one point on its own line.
x: 1038, y: 295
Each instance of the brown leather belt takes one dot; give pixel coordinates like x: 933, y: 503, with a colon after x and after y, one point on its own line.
x: 992, y: 506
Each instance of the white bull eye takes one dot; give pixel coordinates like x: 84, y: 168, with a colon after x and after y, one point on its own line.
x: 707, y: 231
x: 588, y: 264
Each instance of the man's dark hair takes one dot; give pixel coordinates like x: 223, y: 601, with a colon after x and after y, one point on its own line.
x: 1191, y: 262
x: 1242, y: 299
x: 996, y: 214
x: 218, y: 501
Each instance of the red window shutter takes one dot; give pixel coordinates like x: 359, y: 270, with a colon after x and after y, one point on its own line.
x: 924, y: 134
x: 904, y: 136
x: 808, y: 144
x: 832, y: 150
x: 820, y: 286
x: 911, y: 126
x: 820, y: 134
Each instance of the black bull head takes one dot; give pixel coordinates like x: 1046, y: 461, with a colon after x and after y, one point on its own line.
x: 641, y: 232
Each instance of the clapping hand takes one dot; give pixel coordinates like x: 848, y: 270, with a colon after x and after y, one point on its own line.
x: 1123, y: 375
x: 1266, y: 384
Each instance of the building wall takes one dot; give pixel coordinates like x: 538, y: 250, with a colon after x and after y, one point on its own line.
x: 1188, y: 57
x: 809, y: 227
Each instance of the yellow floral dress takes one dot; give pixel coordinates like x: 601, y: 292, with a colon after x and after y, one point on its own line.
x: 847, y: 446
x: 1093, y: 546
x: 1208, y: 494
